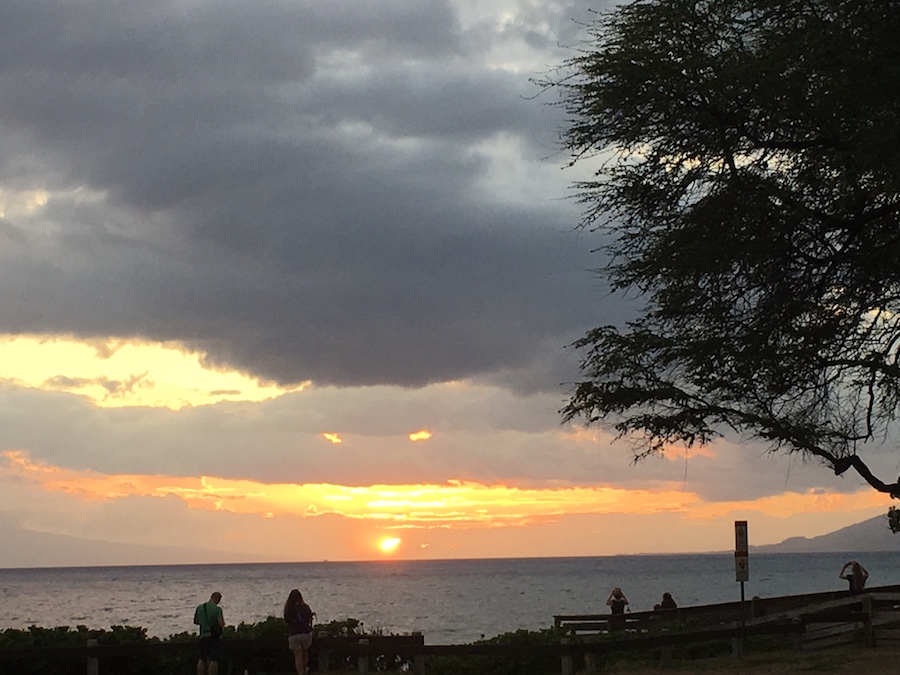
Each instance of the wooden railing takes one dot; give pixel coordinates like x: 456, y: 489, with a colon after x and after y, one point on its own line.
x: 708, y: 615
x: 817, y: 620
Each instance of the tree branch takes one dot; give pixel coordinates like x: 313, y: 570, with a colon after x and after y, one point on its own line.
x: 841, y: 464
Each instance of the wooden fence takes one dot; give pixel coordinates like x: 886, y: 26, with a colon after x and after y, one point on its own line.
x: 754, y: 609
x: 812, y: 621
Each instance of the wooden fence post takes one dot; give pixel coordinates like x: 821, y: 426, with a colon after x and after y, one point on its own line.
x: 93, y: 664
x: 566, y: 658
x: 323, y: 659
x: 665, y: 656
x: 363, y: 661
x: 418, y: 664
x: 868, y: 623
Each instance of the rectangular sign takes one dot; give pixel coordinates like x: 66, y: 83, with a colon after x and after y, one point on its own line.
x: 741, y: 551
x: 740, y: 537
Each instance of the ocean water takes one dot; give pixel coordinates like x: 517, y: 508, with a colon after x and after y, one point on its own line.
x: 449, y: 601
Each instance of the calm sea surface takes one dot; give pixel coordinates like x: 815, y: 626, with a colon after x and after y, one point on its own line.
x: 451, y: 602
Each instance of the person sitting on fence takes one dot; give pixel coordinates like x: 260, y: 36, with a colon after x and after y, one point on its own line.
x: 668, y: 602
x: 617, y: 602
x: 856, y: 576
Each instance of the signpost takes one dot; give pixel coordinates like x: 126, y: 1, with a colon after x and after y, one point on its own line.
x: 741, y: 559
x: 741, y: 553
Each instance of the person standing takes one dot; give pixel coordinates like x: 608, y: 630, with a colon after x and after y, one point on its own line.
x: 856, y: 576
x: 299, y: 618
x: 209, y: 617
x: 617, y: 602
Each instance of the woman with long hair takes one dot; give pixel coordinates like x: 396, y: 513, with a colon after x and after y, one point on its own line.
x: 299, y: 618
x: 857, y: 576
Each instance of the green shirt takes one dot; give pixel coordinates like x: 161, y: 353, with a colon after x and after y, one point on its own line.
x: 205, y: 615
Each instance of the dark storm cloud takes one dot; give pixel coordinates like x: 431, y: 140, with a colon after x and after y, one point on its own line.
x: 304, y: 190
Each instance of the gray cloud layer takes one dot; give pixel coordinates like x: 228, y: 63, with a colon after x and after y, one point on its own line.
x: 489, y: 436
x: 306, y: 190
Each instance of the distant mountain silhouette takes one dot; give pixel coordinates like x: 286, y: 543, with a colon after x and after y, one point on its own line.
x: 869, y: 535
x: 25, y: 548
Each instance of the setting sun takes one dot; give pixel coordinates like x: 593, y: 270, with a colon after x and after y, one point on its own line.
x: 389, y: 544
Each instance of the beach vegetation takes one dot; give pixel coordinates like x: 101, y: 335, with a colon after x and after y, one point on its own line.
x: 60, y: 651
x: 502, y: 665
x: 743, y: 173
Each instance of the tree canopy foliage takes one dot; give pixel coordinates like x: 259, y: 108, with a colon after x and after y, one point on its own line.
x: 749, y: 179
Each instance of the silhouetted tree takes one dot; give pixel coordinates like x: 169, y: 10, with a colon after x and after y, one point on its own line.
x: 749, y: 180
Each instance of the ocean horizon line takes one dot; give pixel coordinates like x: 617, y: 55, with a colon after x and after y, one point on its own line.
x: 388, y: 561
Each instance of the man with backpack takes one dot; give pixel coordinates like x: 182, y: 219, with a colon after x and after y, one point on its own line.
x: 208, y: 616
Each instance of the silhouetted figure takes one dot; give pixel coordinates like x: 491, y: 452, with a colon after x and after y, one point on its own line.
x: 856, y: 576
x: 617, y: 602
x: 667, y: 602
x: 299, y: 618
x: 208, y: 616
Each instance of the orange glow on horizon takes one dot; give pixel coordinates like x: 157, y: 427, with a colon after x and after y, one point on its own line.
x: 455, y: 504
x: 422, y: 435
x: 335, y: 439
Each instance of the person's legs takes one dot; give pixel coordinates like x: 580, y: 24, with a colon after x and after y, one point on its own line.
x: 205, y: 651
x: 299, y: 644
x: 215, y: 653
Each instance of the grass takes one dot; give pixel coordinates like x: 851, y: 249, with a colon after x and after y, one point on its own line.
x: 851, y: 660
x: 836, y: 660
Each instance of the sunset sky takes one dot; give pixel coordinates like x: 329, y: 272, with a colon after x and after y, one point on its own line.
x: 295, y: 280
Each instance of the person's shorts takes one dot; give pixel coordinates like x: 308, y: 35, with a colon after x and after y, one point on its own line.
x: 210, y: 649
x: 299, y: 641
